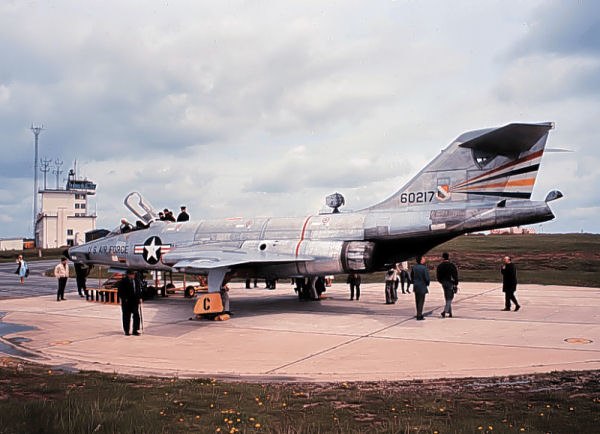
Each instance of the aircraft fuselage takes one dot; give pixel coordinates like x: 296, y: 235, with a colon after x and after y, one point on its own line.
x: 363, y: 241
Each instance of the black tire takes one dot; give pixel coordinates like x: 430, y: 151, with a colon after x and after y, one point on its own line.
x: 170, y: 288
x: 190, y: 292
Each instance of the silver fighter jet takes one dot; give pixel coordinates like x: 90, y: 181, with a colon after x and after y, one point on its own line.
x: 482, y: 180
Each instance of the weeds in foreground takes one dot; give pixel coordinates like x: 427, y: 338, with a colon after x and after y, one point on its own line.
x: 34, y: 399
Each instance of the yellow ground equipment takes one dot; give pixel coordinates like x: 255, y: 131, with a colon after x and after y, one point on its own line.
x: 209, y: 303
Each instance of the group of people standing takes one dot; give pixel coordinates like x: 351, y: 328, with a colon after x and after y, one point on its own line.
x: 167, y: 215
x: 396, y: 277
x: 446, y: 275
x: 129, y: 288
x: 61, y: 272
x: 129, y: 291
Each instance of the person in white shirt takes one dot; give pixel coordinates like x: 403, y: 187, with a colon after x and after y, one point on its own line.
x: 61, y: 272
x: 390, y: 282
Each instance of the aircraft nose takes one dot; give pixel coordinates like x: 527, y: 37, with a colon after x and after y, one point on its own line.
x: 72, y: 252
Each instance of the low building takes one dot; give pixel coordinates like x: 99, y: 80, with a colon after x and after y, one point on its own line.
x: 516, y: 230
x: 65, y: 215
x: 11, y: 243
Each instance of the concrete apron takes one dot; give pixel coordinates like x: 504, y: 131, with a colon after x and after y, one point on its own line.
x: 274, y: 337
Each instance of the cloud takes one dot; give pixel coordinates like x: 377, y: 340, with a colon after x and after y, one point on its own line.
x: 558, y: 57
x: 544, y: 78
x: 564, y: 28
x: 265, y: 108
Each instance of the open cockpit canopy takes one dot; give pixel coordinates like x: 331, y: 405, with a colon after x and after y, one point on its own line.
x: 140, y: 207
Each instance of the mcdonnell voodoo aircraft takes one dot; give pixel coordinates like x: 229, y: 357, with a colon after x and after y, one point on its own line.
x: 483, y: 180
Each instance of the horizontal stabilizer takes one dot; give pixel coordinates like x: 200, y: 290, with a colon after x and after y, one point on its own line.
x: 558, y: 150
x: 509, y: 140
x: 553, y: 195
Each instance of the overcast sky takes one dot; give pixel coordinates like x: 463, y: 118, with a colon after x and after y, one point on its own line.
x: 239, y: 108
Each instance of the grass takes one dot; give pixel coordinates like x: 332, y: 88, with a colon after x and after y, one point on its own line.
x: 35, y: 399
x: 553, y: 259
x: 549, y: 259
x: 31, y: 254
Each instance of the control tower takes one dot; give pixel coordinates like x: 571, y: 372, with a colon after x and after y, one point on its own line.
x: 65, y: 214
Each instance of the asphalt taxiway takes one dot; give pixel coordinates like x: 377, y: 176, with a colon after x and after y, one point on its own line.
x: 275, y: 337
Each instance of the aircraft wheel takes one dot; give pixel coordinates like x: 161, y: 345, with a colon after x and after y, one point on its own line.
x: 170, y: 288
x: 190, y: 292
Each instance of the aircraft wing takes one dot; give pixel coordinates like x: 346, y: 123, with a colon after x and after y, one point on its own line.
x: 194, y: 260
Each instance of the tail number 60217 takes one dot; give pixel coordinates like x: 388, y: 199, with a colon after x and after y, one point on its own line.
x: 417, y: 197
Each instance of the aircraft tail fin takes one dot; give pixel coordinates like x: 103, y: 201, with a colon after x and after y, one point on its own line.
x: 483, y: 165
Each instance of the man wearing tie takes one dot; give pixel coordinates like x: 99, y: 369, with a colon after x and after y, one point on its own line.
x: 130, y: 295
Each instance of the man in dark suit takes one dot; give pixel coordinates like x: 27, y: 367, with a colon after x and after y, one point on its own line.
x: 354, y: 281
x: 81, y: 274
x: 130, y: 295
x: 420, y: 278
x: 447, y: 275
x: 183, y: 215
x: 509, y: 283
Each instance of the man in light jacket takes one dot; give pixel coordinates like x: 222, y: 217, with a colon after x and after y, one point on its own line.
x: 61, y: 272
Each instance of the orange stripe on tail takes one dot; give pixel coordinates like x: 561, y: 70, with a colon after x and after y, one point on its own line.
x: 514, y: 183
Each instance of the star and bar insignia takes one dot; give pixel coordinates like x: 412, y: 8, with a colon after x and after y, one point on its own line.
x: 152, y: 250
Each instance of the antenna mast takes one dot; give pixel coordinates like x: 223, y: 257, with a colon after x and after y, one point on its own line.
x: 45, y: 168
x: 36, y: 129
x: 57, y: 171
